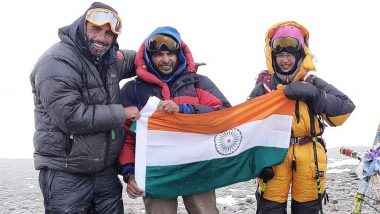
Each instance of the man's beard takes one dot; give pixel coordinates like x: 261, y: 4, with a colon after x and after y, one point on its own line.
x: 95, y: 52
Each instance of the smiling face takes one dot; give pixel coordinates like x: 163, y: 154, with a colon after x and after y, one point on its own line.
x: 165, y: 61
x: 285, y: 61
x: 99, y: 39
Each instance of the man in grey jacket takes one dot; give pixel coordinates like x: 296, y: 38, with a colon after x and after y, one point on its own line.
x: 78, y: 116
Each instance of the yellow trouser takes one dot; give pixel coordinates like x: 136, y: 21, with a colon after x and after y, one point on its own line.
x: 303, y: 180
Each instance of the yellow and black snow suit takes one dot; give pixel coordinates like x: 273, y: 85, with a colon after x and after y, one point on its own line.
x: 301, y: 178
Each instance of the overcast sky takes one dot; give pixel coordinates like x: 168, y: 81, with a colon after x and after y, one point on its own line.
x: 227, y: 35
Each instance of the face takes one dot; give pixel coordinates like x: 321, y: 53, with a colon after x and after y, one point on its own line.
x: 165, y: 61
x: 99, y: 39
x: 285, y: 61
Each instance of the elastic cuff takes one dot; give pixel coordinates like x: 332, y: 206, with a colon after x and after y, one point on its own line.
x: 127, y: 169
x: 184, y: 109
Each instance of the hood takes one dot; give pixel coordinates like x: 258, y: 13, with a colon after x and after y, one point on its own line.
x: 75, y: 34
x: 172, y: 32
x: 305, y: 65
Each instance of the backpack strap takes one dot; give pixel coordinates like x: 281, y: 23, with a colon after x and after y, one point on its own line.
x: 309, y: 77
x: 267, y: 85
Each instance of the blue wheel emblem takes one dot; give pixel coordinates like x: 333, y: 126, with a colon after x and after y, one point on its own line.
x: 228, y: 142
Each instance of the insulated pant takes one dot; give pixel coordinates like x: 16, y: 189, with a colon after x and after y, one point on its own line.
x: 200, y: 203
x: 270, y: 207
x: 303, y: 180
x: 79, y: 193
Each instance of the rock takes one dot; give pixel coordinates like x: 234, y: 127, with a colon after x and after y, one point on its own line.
x: 129, y: 211
x: 352, y: 172
x: 336, y: 208
x: 250, y: 200
x: 233, y: 209
x: 241, y: 194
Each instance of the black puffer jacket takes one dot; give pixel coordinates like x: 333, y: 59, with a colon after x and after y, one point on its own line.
x: 78, y: 118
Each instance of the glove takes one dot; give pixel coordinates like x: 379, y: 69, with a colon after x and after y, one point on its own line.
x: 315, y: 98
x: 266, y: 174
x: 301, y: 91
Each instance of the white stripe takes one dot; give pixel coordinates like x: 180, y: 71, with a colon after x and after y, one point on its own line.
x: 141, y: 146
x: 172, y: 148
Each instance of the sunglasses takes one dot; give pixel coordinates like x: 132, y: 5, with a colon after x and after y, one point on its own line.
x: 100, y: 16
x: 161, y: 42
x: 289, y: 44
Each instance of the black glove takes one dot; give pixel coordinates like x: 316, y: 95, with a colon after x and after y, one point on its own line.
x: 266, y: 174
x: 301, y: 91
x: 315, y: 98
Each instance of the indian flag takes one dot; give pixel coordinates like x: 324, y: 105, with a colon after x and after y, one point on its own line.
x: 183, y: 154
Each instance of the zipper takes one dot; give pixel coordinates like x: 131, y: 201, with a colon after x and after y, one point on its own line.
x: 68, y: 149
x: 108, y: 135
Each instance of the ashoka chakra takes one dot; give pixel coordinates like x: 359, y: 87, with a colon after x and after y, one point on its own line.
x: 228, y: 142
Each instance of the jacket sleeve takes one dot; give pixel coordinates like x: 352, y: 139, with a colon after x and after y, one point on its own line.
x: 129, y: 68
x: 257, y: 91
x: 338, y: 106
x: 210, y: 97
x: 59, y: 87
x: 127, y: 154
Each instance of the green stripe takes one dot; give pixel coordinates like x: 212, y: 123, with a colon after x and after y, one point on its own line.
x: 186, y: 179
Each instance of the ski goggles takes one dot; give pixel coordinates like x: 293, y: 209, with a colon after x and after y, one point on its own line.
x: 289, y: 44
x: 161, y: 42
x: 100, y: 16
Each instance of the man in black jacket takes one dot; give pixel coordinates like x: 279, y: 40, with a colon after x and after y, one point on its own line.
x: 78, y: 115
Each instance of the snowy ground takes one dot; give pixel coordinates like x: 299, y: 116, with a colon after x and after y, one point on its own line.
x: 20, y: 193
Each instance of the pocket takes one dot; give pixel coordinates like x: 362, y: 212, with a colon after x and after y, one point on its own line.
x: 69, y: 144
x: 117, y: 142
x: 88, y: 146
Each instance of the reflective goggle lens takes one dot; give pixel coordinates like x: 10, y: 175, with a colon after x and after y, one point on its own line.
x: 160, y: 43
x: 289, y: 43
x: 101, y: 17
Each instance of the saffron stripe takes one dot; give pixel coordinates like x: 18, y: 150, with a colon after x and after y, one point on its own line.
x: 219, y: 121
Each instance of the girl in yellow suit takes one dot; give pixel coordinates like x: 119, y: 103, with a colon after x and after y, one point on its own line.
x: 288, y: 62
